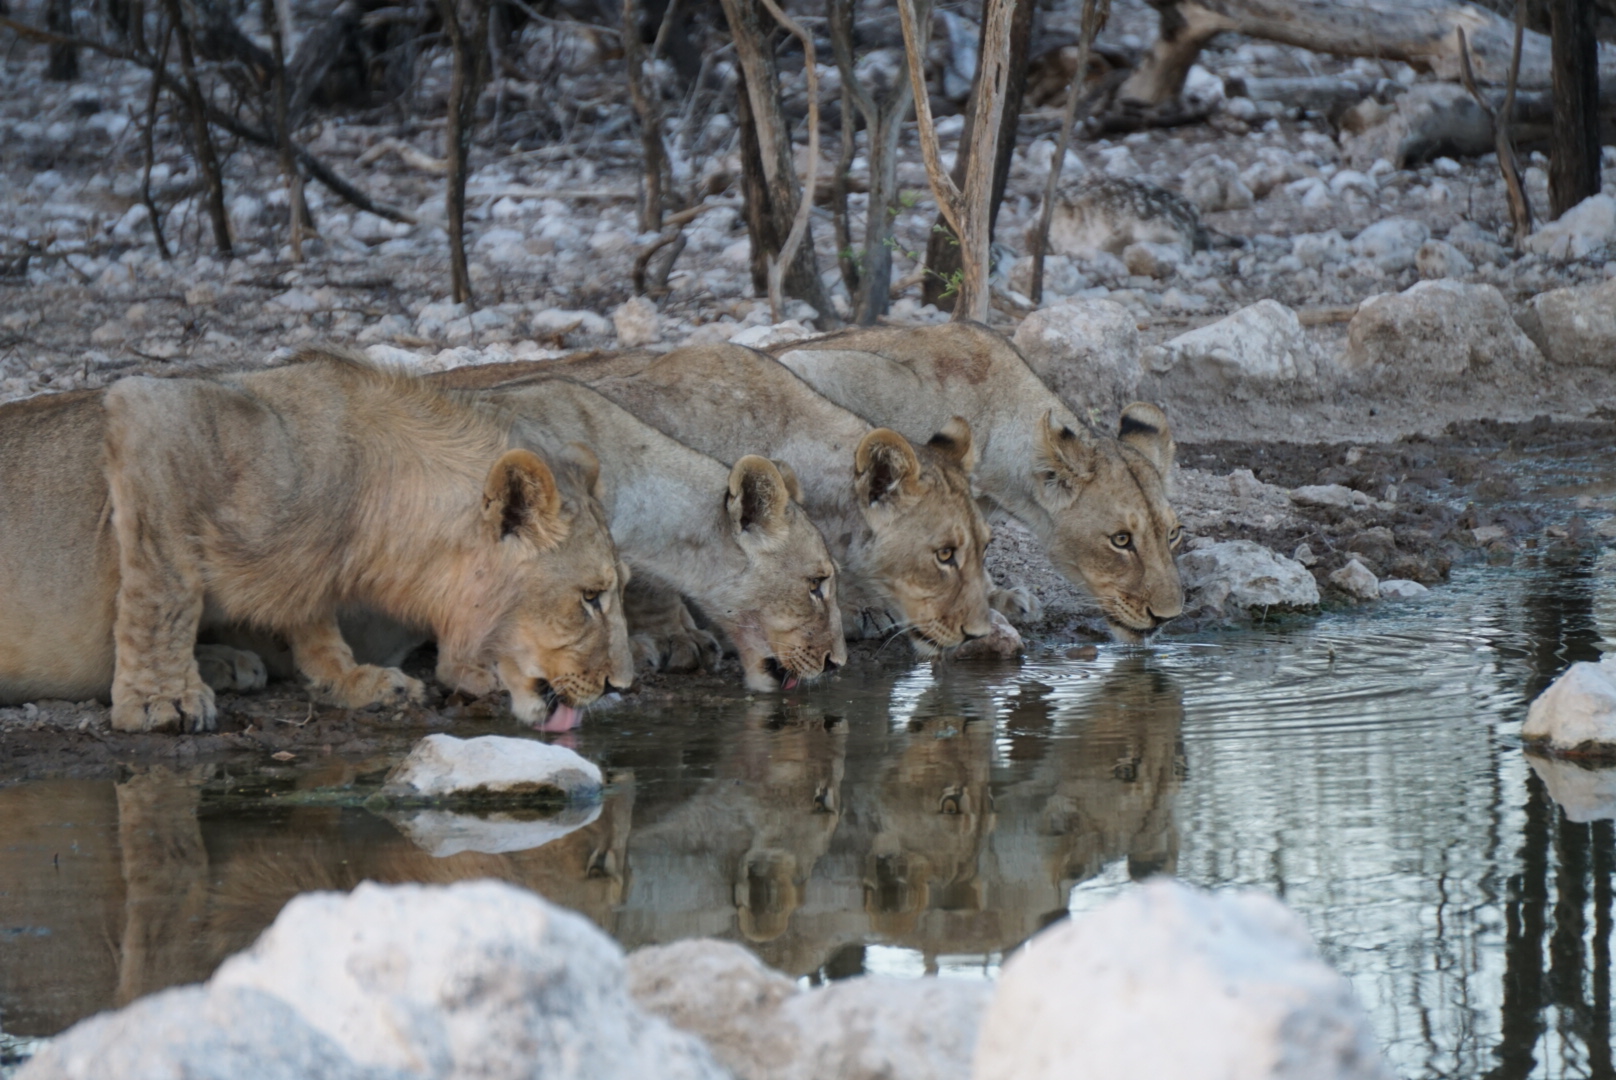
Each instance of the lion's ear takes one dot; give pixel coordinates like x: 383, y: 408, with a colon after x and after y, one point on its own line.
x: 1144, y: 427
x: 883, y: 466
x: 1066, y: 459
x: 789, y: 475
x: 520, y: 497
x: 757, y: 497
x: 588, y: 464
x: 954, y: 442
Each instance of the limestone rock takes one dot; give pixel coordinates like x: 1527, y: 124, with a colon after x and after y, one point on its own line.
x: 1333, y: 496
x: 1578, y: 325
x: 1402, y: 589
x: 1263, y: 342
x: 1169, y: 981
x: 1441, y: 329
x: 234, y: 1034
x: 1440, y: 259
x: 1214, y: 183
x: 559, y: 322
x: 1390, y: 244
x: 1247, y: 575
x: 637, y: 323
x: 442, y: 766
x: 761, y: 337
x: 1429, y: 120
x: 761, y: 1027
x: 1357, y: 580
x: 1585, y: 792
x: 1577, y: 713
x: 470, y: 980
x: 1086, y: 351
x: 1579, y: 232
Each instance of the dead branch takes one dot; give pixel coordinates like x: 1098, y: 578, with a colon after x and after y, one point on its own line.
x: 463, y: 84
x: 1520, y: 207
x: 148, y: 151
x: 655, y: 155
x: 201, y: 139
x: 1095, y: 15
x: 297, y: 210
x: 805, y: 202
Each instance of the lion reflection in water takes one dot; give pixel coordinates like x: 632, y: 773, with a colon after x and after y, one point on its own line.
x: 805, y: 835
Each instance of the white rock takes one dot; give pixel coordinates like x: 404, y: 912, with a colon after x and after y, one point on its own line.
x: 293, y: 300
x: 1153, y: 260
x: 188, y: 1031
x: 1578, y: 710
x: 1202, y: 90
x: 1166, y: 981
x: 442, y: 765
x: 1214, y: 183
x: 761, y: 337
x: 762, y: 1027
x: 1087, y: 351
x: 1584, y: 792
x: 1440, y: 259
x: 1118, y: 161
x: 562, y: 320
x: 1353, y: 180
x: 1438, y: 328
x: 393, y: 356
x: 1262, y: 342
x: 1356, y: 579
x: 1041, y: 154
x: 1248, y: 575
x: 246, y: 215
x: 1391, y: 244
x: 1578, y: 324
x: 1314, y: 250
x: 1274, y: 167
x: 1402, y: 589
x: 637, y: 323
x: 1334, y: 496
x: 135, y: 221
x: 1579, y: 232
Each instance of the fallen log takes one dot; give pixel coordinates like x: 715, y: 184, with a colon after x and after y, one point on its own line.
x: 1421, y: 33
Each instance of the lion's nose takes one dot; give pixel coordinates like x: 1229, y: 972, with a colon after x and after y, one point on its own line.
x: 614, y: 688
x: 830, y: 664
x: 1158, y: 621
x: 968, y: 636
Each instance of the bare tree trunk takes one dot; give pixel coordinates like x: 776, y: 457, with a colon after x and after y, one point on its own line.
x: 64, y: 59
x: 943, y: 251
x: 871, y: 286
x: 463, y: 89
x: 1520, y: 207
x: 1095, y: 14
x: 1423, y: 33
x: 650, y: 118
x: 297, y: 208
x: 768, y: 175
x: 147, y: 150
x: 969, y: 211
x: 1574, y: 156
x: 207, y: 162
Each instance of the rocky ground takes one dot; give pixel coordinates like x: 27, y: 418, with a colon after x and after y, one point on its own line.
x: 1358, y: 365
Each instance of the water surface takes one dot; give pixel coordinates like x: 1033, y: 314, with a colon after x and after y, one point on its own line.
x: 1364, y: 766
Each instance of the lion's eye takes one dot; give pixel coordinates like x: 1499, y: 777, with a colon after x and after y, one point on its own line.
x: 1175, y: 535
x: 1122, y: 541
x: 592, y: 598
x: 945, y: 556
x: 816, y: 586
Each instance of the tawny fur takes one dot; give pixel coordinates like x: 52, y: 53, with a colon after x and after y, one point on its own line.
x: 1097, y: 502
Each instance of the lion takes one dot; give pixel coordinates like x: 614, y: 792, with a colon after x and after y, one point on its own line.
x: 132, y: 517
x: 734, y: 539
x: 899, y: 517
x: 1097, y: 503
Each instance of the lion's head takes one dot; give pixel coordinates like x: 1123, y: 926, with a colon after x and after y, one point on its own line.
x: 927, y: 535
x: 561, y: 638
x: 781, y: 610
x: 1113, y: 526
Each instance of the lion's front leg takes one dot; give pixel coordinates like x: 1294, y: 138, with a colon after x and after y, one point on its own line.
x: 325, y: 660
x: 156, y: 685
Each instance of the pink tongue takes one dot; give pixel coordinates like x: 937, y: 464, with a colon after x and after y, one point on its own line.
x: 791, y: 681
x: 562, y: 718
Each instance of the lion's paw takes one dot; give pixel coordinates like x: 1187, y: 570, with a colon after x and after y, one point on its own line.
x: 367, y: 686
x: 684, y: 649
x: 225, y: 668
x: 188, y: 708
x: 1018, y: 604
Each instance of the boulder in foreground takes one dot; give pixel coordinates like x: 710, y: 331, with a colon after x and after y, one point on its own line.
x: 492, y: 768
x: 1577, y: 713
x: 1167, y: 981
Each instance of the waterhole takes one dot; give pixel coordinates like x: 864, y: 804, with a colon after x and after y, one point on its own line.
x: 1364, y: 766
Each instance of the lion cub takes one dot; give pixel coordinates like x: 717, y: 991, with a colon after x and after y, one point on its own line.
x: 734, y: 540
x: 899, y: 516
x: 132, y: 516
